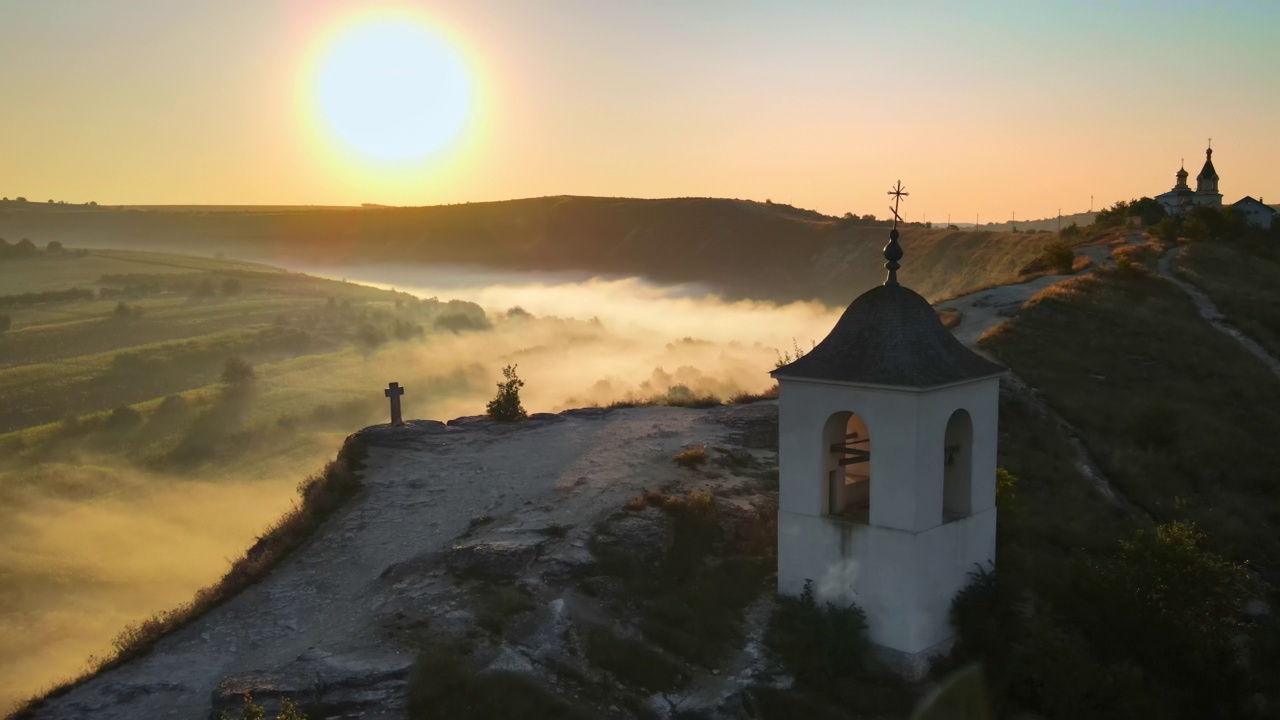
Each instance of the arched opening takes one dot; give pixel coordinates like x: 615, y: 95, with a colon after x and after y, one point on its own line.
x: 957, y: 467
x: 847, y: 467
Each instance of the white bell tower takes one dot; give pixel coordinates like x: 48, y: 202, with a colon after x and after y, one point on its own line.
x: 887, y: 467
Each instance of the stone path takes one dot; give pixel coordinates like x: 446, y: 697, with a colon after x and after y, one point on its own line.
x: 321, y: 613
x: 1212, y: 314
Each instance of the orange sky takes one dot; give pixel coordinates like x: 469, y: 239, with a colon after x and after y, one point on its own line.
x: 1011, y: 107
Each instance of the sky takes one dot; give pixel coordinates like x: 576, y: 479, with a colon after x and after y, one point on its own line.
x: 983, y: 110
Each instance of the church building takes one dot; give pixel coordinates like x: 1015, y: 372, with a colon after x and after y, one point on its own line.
x: 887, y: 468
x: 1182, y: 197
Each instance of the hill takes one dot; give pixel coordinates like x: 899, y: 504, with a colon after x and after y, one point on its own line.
x: 737, y: 248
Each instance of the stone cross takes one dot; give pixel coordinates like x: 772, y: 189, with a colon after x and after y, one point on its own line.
x: 394, y: 391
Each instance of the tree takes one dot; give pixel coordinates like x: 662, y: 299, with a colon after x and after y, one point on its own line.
x: 1058, y: 257
x: 6, y: 322
x: 204, y: 289
x: 25, y: 247
x: 237, y: 372
x: 53, y: 247
x: 505, y: 406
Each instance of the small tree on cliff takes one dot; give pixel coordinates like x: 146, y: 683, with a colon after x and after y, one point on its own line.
x: 505, y: 406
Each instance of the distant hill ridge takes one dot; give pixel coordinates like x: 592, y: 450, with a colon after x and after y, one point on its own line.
x: 738, y: 248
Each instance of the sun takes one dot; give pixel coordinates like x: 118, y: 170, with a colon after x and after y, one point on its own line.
x: 392, y: 90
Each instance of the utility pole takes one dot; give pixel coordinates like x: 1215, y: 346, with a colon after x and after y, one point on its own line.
x: 1059, y: 220
x: 1090, y: 203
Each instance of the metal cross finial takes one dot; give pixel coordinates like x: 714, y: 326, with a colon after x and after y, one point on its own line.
x: 898, y: 192
x: 893, y: 251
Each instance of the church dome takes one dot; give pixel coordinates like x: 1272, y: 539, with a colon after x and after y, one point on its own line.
x: 1207, y: 172
x: 890, y: 335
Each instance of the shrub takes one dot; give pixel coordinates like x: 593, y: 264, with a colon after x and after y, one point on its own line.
x: 237, y: 372
x: 505, y: 406
x: 443, y: 685
x: 786, y: 358
x: 693, y: 458
x: 633, y: 662
x: 825, y: 648
x: 124, y: 417
x: 1058, y: 257
x: 231, y: 286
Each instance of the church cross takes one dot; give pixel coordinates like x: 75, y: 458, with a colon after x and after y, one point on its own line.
x: 893, y: 251
x: 394, y: 391
x: 898, y: 192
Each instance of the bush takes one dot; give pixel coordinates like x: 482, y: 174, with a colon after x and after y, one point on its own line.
x: 826, y: 649
x: 124, y: 417
x: 444, y: 685
x: 633, y: 662
x: 1058, y: 257
x: 693, y: 458
x: 231, y: 286
x: 237, y: 372
x: 505, y: 406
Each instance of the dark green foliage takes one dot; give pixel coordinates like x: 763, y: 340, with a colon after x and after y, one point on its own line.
x: 691, y: 603
x: 47, y: 297
x: 633, y: 662
x: 204, y: 289
x: 237, y: 372
x: 443, y: 685
x: 1058, y: 257
x: 124, y: 417
x: 825, y: 648
x: 1148, y: 210
x: 1172, y: 607
x: 499, y: 604
x: 505, y: 406
x: 460, y: 323
x: 1144, y: 629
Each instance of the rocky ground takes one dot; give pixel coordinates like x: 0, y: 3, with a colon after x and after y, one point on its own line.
x: 485, y: 538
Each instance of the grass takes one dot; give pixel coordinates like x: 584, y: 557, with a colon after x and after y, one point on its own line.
x: 1166, y: 404
x: 692, y: 458
x: 499, y: 604
x: 320, y: 497
x: 691, y: 603
x: 1241, y: 280
x: 443, y: 684
x: 633, y: 662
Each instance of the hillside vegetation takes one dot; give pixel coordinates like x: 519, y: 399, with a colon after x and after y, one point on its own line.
x: 738, y: 248
x: 1167, y: 622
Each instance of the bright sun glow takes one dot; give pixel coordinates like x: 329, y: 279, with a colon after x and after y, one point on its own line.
x: 393, y: 90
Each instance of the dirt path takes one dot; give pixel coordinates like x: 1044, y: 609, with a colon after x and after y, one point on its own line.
x: 983, y: 310
x: 326, y: 606
x: 1211, y: 313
